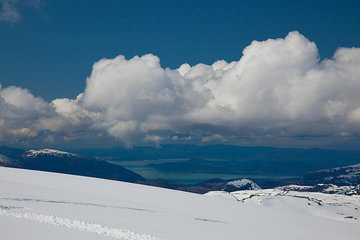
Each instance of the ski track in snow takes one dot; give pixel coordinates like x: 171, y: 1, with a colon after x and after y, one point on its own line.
x: 36, y: 200
x: 209, y: 220
x: 74, y: 203
x: 80, y: 225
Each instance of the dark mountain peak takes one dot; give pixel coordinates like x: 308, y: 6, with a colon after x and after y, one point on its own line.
x: 53, y: 160
x: 48, y: 152
x: 240, y: 184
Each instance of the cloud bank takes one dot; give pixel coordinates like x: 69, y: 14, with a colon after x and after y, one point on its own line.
x: 279, y: 89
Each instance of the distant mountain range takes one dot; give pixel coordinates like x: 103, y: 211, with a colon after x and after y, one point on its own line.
x: 64, y: 162
x: 52, y: 160
x: 348, y: 175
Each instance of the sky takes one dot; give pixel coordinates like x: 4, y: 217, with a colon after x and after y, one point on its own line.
x: 148, y: 72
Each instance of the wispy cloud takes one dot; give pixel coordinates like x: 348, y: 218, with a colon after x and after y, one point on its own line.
x: 11, y: 9
x: 278, y: 89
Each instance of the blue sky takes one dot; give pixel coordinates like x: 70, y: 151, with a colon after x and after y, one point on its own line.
x: 51, y: 49
x: 283, y: 73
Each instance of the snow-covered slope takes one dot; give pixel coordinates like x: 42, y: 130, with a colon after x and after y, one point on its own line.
x: 330, y: 206
x: 40, y: 205
x: 324, y: 188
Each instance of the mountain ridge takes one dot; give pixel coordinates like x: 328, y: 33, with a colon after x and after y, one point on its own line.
x: 52, y: 160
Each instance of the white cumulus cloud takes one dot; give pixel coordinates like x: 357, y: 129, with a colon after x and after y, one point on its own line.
x: 279, y: 88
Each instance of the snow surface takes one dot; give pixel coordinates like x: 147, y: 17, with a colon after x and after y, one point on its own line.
x: 331, y: 206
x: 41, y: 205
x: 324, y: 188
